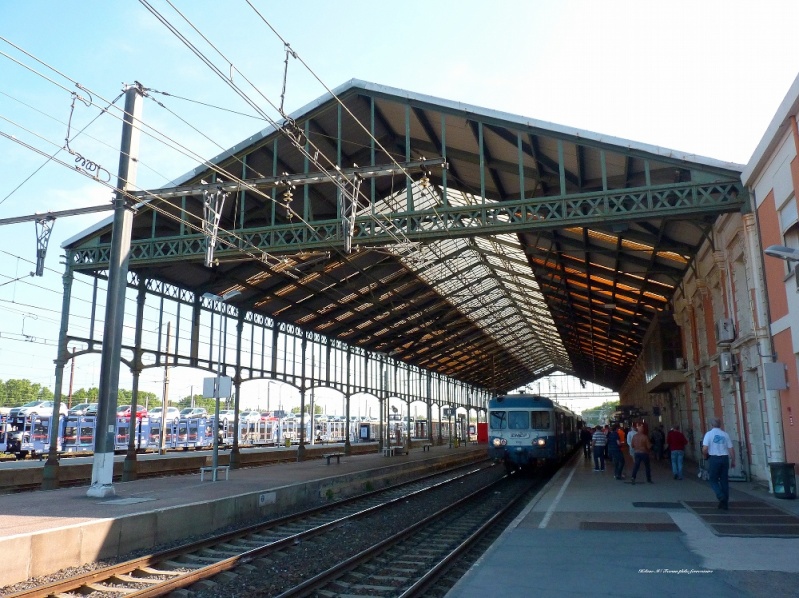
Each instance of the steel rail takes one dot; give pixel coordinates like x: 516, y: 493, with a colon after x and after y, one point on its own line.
x: 319, y: 581
x: 421, y: 586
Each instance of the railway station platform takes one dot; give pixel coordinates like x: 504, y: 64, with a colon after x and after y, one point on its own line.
x: 588, y: 534
x: 42, y: 532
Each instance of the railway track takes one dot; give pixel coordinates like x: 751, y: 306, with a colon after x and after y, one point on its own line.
x: 420, y: 560
x: 160, y: 573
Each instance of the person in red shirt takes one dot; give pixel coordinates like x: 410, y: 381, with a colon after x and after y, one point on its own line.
x: 676, y: 441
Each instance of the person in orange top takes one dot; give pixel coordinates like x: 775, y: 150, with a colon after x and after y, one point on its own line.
x: 641, y: 447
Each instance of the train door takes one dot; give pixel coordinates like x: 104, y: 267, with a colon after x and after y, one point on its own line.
x: 17, y: 439
x: 258, y: 432
x: 227, y: 433
x: 5, y: 434
x: 40, y: 436
x: 79, y: 434
x: 122, y: 433
x: 290, y: 430
x: 154, y: 435
x: 202, y: 434
x: 188, y: 433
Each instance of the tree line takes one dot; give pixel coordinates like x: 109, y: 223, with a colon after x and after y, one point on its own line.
x: 597, y: 416
x: 16, y: 392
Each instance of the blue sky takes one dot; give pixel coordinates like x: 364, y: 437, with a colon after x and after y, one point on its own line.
x: 698, y: 77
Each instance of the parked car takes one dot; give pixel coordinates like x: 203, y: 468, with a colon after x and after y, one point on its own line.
x: 250, y: 417
x: 227, y: 415
x: 124, y: 411
x: 193, y: 412
x: 172, y: 413
x: 17, y: 415
x: 82, y: 408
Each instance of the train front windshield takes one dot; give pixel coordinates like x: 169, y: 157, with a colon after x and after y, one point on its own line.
x: 499, y: 421
x: 520, y: 420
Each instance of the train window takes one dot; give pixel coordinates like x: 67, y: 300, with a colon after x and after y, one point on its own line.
x: 499, y: 421
x: 518, y: 420
x: 541, y: 420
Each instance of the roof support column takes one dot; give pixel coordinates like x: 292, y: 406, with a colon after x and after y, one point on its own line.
x: 408, y: 181
x: 444, y: 171
x: 429, y: 381
x: 130, y: 468
x: 103, y: 463
x: 347, y: 395
x: 303, y: 390
x: 776, y: 446
x: 235, y: 455
x: 482, y: 163
x: 50, y: 471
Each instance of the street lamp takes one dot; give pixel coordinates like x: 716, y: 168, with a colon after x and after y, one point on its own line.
x: 218, y: 299
x: 782, y: 252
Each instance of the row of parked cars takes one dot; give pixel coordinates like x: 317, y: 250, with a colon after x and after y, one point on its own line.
x: 45, y: 409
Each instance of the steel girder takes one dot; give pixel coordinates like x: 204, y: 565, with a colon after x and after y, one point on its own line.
x: 674, y: 202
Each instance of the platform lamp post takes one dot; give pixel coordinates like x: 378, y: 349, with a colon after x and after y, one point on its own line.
x: 219, y: 299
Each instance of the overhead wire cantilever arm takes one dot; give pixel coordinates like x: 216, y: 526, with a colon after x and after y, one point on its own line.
x: 349, y: 209
x: 213, y: 202
x: 44, y: 226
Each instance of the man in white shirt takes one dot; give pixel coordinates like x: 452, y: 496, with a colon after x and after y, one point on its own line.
x: 717, y: 450
x: 630, y: 435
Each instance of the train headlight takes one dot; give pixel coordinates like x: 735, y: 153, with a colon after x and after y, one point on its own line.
x: 541, y: 441
x: 498, y: 442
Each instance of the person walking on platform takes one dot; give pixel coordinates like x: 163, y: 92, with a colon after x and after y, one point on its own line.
x: 599, y: 441
x: 641, y: 447
x: 676, y: 441
x: 630, y: 436
x: 614, y: 451
x: 718, y: 451
x: 658, y: 439
x: 585, y: 438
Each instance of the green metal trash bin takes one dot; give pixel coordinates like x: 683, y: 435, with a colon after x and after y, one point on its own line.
x: 783, y: 480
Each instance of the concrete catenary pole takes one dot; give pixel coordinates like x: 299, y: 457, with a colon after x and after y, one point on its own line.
x: 103, y: 464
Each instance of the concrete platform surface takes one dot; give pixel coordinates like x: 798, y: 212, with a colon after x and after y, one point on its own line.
x: 588, y: 534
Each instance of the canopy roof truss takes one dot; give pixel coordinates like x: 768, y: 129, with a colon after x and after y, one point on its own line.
x: 484, y: 246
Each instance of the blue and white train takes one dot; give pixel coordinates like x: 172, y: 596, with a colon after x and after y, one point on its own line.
x: 527, y: 431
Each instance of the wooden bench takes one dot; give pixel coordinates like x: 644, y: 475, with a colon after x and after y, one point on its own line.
x: 210, y: 469
x: 393, y: 451
x: 337, y: 456
x: 426, y: 447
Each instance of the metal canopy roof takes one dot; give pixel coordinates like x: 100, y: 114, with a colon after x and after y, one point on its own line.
x: 537, y: 248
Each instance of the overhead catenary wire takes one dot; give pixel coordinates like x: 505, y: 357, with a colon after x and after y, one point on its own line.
x: 288, y: 129
x: 231, y: 67
x: 344, y: 106
x: 228, y: 81
x: 146, y: 129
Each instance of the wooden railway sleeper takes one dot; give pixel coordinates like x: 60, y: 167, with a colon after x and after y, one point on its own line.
x: 122, y: 578
x: 99, y: 587
x: 154, y: 571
